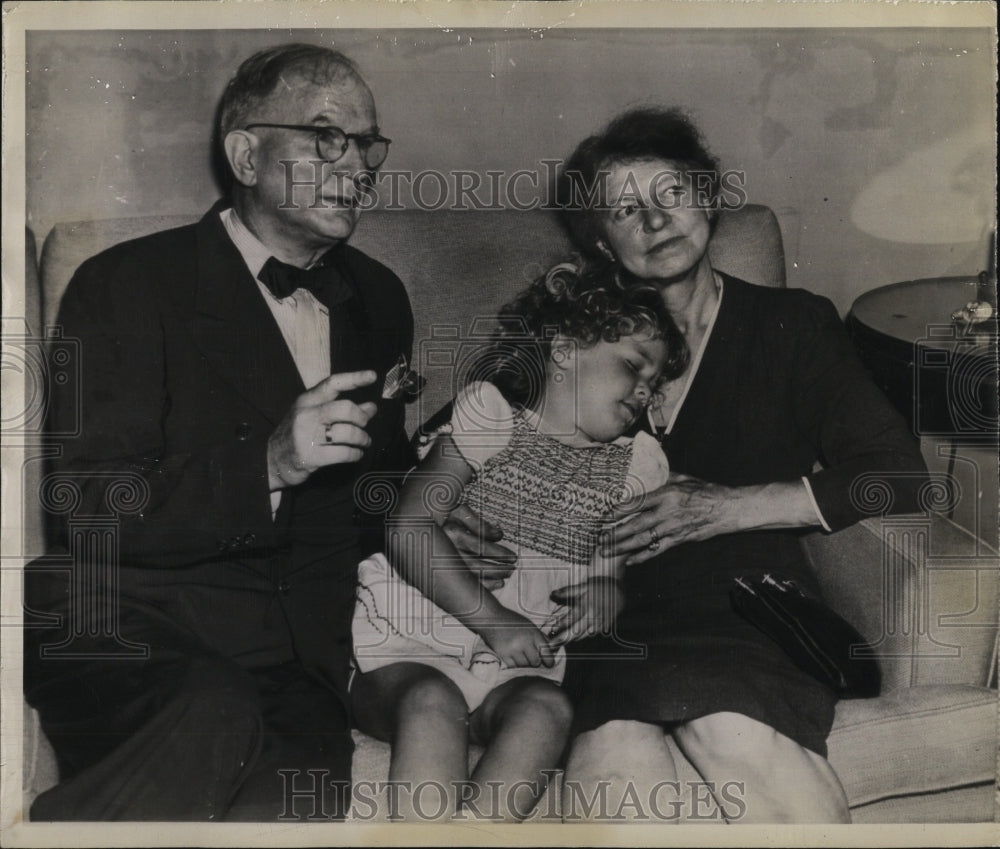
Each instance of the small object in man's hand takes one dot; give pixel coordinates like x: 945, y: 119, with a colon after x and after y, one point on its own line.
x: 402, y: 382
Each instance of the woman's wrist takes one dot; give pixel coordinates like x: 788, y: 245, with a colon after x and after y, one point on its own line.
x: 771, y: 506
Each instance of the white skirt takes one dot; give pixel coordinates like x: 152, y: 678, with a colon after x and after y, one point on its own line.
x: 394, y: 623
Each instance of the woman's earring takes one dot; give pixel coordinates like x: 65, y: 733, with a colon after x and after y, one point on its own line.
x: 604, y: 249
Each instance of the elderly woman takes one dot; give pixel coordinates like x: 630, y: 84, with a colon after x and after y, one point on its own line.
x: 773, y: 386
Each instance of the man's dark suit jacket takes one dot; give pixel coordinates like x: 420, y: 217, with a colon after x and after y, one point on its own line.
x: 184, y: 376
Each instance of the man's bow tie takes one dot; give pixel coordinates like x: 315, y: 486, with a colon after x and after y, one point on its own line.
x: 322, y: 280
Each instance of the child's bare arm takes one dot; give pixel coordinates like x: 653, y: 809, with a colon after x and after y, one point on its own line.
x: 424, y: 555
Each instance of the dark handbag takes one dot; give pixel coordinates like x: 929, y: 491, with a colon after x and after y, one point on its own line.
x: 817, y: 640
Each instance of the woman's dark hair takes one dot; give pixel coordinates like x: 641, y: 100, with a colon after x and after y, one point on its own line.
x: 664, y: 134
x: 585, y: 301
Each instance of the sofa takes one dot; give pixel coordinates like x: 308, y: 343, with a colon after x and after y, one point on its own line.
x: 922, y: 590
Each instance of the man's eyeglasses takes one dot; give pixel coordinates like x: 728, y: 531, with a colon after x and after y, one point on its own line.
x: 331, y: 142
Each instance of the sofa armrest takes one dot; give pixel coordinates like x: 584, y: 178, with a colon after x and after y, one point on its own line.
x: 922, y: 591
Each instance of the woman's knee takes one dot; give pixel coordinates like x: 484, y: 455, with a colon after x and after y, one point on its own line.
x: 724, y: 732
x: 623, y: 743
x: 726, y: 739
x: 782, y: 780
x: 623, y: 733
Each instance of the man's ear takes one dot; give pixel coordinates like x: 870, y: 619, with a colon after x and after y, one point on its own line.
x: 563, y: 352
x: 241, y: 149
x: 602, y: 246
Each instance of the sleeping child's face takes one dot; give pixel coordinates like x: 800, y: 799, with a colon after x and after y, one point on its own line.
x: 614, y: 383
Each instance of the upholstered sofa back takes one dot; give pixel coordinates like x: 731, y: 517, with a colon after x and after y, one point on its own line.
x: 457, y: 265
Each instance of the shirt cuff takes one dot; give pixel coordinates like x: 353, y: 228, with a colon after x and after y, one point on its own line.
x: 812, y: 500
x: 276, y: 500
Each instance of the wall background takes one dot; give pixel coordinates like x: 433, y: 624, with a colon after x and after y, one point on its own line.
x: 875, y: 147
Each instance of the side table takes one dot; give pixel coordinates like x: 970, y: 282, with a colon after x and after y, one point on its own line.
x: 941, y: 378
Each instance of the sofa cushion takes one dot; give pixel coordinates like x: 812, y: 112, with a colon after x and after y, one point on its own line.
x: 69, y: 244
x: 915, y: 740
x: 964, y: 805
x: 922, y: 590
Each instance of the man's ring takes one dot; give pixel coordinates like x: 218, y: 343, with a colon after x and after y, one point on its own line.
x: 327, y: 435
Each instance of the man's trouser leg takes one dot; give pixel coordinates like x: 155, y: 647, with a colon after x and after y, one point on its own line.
x: 303, y: 770
x: 170, y: 736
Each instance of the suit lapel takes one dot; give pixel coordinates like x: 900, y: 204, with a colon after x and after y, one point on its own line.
x: 350, y: 333
x: 235, y: 330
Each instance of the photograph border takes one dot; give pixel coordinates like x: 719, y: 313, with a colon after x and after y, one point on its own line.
x: 21, y: 18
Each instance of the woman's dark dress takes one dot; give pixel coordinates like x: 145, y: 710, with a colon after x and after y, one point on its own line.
x: 778, y: 388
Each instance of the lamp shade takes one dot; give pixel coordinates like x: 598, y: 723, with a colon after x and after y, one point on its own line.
x: 940, y: 194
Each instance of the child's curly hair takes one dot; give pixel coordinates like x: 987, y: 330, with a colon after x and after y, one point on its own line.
x: 584, y: 300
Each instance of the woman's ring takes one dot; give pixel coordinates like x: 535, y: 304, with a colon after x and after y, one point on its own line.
x: 327, y: 435
x: 654, y: 540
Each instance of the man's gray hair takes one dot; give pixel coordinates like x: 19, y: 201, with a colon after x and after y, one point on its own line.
x: 258, y: 77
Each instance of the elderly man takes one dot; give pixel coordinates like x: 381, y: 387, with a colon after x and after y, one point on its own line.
x: 233, y: 371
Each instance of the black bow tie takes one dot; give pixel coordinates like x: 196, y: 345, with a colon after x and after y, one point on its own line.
x: 322, y: 280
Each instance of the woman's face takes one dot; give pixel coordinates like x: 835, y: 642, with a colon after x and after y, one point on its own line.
x: 654, y: 227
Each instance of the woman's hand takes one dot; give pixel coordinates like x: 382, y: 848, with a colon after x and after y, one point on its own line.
x: 477, y: 541
x: 687, y: 509
x: 516, y: 641
x: 591, y: 608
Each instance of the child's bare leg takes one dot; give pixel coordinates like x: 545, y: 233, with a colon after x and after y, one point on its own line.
x: 525, y: 723
x: 424, y: 716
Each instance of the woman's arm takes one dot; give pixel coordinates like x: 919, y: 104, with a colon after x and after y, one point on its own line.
x: 424, y: 555
x: 856, y: 432
x: 864, y: 443
x: 687, y: 509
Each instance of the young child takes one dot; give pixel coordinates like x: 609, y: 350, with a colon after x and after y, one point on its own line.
x: 536, y: 448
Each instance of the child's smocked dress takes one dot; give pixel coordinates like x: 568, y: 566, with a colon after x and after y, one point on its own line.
x: 547, y: 497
